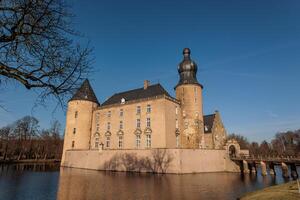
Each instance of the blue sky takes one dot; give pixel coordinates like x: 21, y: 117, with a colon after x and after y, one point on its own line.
x: 247, y: 53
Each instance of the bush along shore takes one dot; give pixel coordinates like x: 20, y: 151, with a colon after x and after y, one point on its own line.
x: 286, y: 191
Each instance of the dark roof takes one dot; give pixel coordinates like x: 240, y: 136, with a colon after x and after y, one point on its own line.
x: 208, y: 122
x: 140, y: 93
x: 85, y: 92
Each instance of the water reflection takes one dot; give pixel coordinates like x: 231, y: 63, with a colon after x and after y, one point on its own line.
x: 87, y: 184
x: 41, y: 181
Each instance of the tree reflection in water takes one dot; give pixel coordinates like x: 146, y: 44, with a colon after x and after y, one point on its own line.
x: 42, y: 181
x: 88, y: 184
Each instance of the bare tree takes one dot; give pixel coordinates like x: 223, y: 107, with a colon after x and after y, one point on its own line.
x: 37, y: 47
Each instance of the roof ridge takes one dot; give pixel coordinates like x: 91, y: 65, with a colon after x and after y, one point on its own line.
x: 137, y: 88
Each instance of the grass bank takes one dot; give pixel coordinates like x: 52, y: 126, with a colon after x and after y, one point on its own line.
x: 287, y: 191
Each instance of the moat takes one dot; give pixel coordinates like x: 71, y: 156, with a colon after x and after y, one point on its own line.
x: 52, y: 182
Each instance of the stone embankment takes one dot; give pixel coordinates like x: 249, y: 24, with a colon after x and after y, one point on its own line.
x: 287, y: 191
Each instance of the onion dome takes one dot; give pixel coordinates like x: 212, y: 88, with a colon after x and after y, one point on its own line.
x: 187, y: 69
x: 85, y: 92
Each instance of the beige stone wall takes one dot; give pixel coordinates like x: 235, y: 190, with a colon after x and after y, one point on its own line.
x: 218, y: 132
x: 171, y: 117
x: 161, y: 117
x: 173, y: 160
x: 82, y: 123
x: 208, y: 137
x: 190, y: 96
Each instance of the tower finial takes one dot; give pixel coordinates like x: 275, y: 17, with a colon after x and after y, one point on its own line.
x: 186, y: 53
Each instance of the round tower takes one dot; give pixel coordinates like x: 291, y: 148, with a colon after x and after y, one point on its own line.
x: 189, y: 93
x: 79, y: 119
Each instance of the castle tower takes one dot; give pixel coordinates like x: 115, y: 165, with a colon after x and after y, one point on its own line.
x: 79, y: 119
x: 189, y: 92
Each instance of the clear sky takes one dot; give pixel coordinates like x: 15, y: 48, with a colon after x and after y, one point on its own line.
x: 248, y: 53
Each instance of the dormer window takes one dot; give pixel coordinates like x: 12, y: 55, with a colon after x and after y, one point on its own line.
x: 123, y: 101
x: 205, y: 128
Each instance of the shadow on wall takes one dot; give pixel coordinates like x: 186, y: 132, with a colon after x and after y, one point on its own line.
x: 157, y: 162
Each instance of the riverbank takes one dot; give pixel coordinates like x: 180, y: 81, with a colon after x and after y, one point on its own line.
x: 30, y: 161
x: 287, y: 191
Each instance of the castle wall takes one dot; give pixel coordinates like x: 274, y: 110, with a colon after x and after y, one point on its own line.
x: 78, y: 128
x: 170, y: 128
x: 154, y: 160
x: 218, y: 132
x: 162, y: 115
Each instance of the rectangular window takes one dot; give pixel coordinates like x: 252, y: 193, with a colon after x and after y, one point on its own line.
x: 121, y: 124
x: 176, y: 123
x: 138, y: 110
x: 138, y: 141
x: 107, y: 142
x: 108, y: 126
x: 74, y: 130
x: 109, y: 113
x: 148, y: 141
x: 148, y: 122
x: 176, y: 110
x: 138, y: 123
x: 97, y: 117
x: 121, y: 112
x: 120, y: 141
x: 148, y: 108
x: 97, y: 142
x: 73, y: 144
x: 177, y: 141
x: 76, y: 114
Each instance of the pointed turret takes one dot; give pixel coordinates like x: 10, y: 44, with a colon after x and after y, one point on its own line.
x: 79, y: 119
x: 85, y: 92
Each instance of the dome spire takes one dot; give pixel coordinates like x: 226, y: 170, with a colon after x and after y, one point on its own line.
x: 187, y: 69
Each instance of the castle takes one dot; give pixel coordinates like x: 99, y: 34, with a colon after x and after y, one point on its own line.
x: 138, y: 121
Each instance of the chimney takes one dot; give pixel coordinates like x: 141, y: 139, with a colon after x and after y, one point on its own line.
x: 146, y: 84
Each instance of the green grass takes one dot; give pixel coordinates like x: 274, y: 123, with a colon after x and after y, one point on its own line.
x: 287, y: 191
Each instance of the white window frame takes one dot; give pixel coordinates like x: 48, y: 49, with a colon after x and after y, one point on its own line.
x: 121, y: 126
x: 138, y: 141
x: 107, y: 141
x: 148, y: 122
x: 149, y: 108
x: 138, y: 123
x: 120, y: 142
x: 96, y: 142
x: 138, y: 110
x: 148, y: 140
